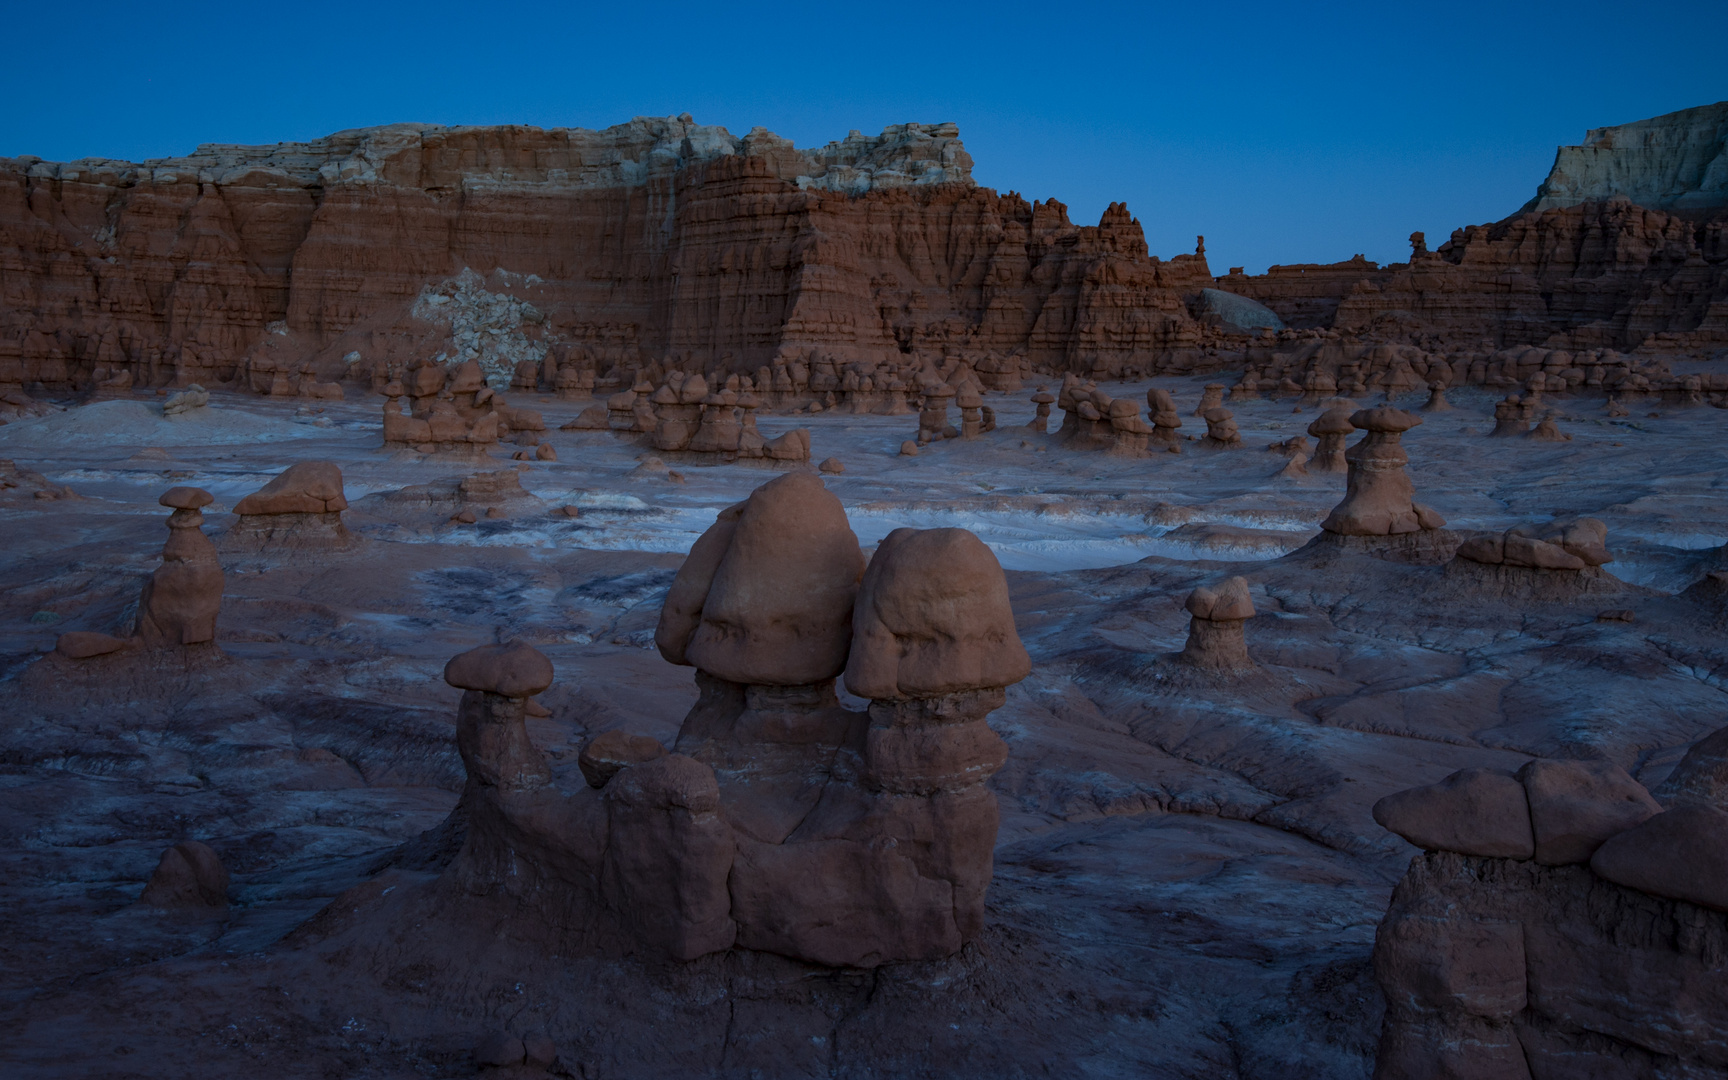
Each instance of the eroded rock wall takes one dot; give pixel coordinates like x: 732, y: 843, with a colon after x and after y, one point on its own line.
x: 659, y: 239
x: 1625, y: 245
x: 1506, y: 968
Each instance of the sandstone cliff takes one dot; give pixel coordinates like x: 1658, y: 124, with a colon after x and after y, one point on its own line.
x: 1677, y: 162
x: 1625, y: 244
x: 659, y: 239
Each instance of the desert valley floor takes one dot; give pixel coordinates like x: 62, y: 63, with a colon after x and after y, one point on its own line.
x: 1187, y: 877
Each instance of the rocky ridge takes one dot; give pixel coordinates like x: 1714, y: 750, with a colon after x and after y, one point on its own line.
x: 659, y: 240
x: 1676, y: 162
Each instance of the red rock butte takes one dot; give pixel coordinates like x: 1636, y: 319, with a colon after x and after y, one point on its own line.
x: 665, y: 240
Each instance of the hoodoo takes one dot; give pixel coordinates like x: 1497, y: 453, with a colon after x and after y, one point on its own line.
x: 1379, y: 513
x: 181, y: 600
x: 780, y: 821
x: 1215, y: 639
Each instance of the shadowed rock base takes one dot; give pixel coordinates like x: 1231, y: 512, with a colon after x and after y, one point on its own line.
x: 277, y: 532
x: 1501, y: 968
x: 1526, y: 583
x: 1427, y: 547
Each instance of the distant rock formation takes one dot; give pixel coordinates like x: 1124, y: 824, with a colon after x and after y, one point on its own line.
x: 1676, y: 162
x: 1625, y: 245
x: 575, y: 259
x: 288, y: 268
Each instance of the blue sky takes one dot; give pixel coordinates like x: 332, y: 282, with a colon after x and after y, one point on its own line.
x: 1283, y: 132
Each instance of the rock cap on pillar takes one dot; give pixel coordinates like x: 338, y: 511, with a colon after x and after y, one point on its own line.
x: 765, y: 597
x: 186, y: 498
x: 515, y: 670
x: 1380, y: 500
x: 933, y: 618
x: 1231, y: 600
x: 1384, y: 418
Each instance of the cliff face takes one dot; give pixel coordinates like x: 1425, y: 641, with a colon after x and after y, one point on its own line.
x: 1677, y: 162
x: 1626, y: 244
x: 656, y: 239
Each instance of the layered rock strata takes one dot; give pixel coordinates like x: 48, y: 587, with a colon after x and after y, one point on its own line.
x: 1625, y: 245
x: 300, y: 508
x: 554, y: 253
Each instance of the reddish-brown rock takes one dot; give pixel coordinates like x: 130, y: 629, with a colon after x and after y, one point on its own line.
x: 1563, y: 544
x: 669, y: 858
x: 84, y: 644
x: 491, y: 725
x: 306, y: 487
x: 1216, y: 641
x: 182, y: 599
x: 1503, y: 968
x: 300, y: 508
x: 932, y: 618
x: 1472, y: 812
x: 1331, y: 428
x: 1576, y: 805
x: 611, y: 752
x: 1681, y: 854
x: 1380, y: 500
x: 515, y: 670
x: 282, y: 262
x: 189, y: 875
x: 1221, y: 433
x: 778, y: 605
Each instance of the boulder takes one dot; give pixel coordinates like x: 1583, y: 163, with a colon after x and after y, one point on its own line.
x: 777, y: 606
x: 185, y: 401
x: 1473, y: 812
x: 515, y: 670
x: 1576, y: 805
x: 306, y: 487
x: 1681, y: 854
x: 932, y: 617
x: 611, y: 752
x: 84, y: 644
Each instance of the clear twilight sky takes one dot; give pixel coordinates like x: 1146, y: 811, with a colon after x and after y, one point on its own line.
x: 1284, y: 132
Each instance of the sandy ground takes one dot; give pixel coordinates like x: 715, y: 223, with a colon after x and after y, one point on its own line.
x: 1187, y: 877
